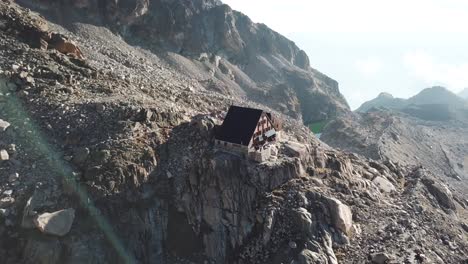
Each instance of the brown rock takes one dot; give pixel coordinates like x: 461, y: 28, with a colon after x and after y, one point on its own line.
x: 62, y: 44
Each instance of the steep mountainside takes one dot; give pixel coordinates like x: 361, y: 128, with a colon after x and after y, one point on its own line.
x: 220, y: 48
x: 107, y: 156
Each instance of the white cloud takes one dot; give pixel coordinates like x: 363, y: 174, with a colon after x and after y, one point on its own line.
x: 307, y: 16
x: 426, y: 68
x: 369, y: 66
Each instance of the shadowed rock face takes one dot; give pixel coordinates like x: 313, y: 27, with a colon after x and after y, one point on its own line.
x: 220, y: 47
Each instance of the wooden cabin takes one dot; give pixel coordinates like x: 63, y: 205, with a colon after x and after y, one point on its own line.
x: 246, y: 131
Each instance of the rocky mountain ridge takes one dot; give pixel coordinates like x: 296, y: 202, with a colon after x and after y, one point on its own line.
x: 383, y: 100
x: 220, y: 48
x: 110, y: 159
x: 435, y: 103
x: 430, y: 96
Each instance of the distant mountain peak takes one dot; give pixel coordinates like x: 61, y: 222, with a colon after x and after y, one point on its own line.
x: 436, y: 89
x: 385, y: 95
x: 435, y: 95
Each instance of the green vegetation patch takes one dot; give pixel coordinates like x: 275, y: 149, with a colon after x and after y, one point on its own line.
x: 317, y: 127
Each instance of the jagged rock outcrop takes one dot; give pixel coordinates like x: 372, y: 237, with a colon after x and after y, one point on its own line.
x: 441, y: 192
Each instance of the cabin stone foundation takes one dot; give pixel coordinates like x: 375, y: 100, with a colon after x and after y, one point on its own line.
x: 241, y: 150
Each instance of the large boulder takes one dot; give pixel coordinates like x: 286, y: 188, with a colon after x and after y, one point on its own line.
x: 341, y: 215
x: 380, y: 258
x: 4, y: 155
x: 295, y: 149
x: 43, y: 197
x: 384, y: 184
x: 57, y: 223
x: 441, y: 192
x: 309, y: 257
x: 3, y: 125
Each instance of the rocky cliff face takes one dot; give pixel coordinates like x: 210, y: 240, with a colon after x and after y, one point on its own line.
x: 219, y: 47
x: 110, y: 159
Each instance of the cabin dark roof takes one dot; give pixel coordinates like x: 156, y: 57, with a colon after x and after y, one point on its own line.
x: 239, y: 125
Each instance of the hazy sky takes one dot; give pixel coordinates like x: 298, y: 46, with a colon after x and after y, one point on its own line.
x: 372, y: 46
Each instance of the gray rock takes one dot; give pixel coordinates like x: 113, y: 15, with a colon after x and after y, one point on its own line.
x: 57, y: 223
x: 43, y: 197
x: 302, y: 220
x: 441, y: 192
x: 28, y: 213
x: 7, y: 201
x: 15, y: 67
x: 295, y: 149
x: 268, y: 226
x: 341, y: 215
x: 380, y: 258
x: 292, y: 244
x: 11, y: 149
x: 3, y: 212
x: 100, y: 107
x: 309, y: 257
x: 464, y: 226
x: 4, y: 156
x: 383, y: 184
x: 3, y: 125
x: 328, y: 246
x: 13, y: 177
